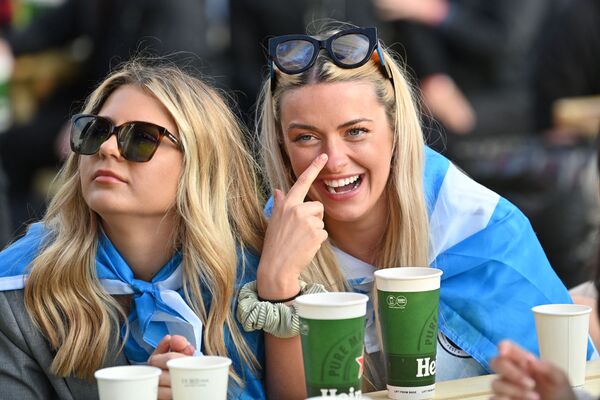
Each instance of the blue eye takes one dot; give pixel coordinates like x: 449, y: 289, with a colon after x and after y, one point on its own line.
x: 303, y: 138
x: 355, y: 132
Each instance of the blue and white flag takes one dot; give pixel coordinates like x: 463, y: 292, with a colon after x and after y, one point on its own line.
x: 494, y: 267
x: 157, y: 309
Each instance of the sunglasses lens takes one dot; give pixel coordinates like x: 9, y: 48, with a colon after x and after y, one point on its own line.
x: 139, y: 141
x: 351, y: 49
x: 294, y: 55
x: 88, y: 133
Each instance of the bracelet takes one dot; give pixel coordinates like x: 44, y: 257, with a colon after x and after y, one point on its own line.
x: 273, y: 317
x: 282, y: 300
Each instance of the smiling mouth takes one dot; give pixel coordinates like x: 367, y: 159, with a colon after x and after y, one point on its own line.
x: 341, y: 186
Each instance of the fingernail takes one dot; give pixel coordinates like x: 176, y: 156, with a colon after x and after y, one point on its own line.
x: 533, y: 396
x: 323, y: 157
x: 528, y: 382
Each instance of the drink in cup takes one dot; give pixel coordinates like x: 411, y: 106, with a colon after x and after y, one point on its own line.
x: 408, y: 300
x: 562, y: 331
x: 332, y: 330
x: 128, y: 382
x: 203, y: 377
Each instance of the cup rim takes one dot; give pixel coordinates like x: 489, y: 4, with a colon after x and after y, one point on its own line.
x: 570, y: 309
x: 352, y: 299
x: 419, y: 273
x: 184, y: 362
x: 109, y: 372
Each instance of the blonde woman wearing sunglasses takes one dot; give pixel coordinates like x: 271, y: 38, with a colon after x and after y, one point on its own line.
x: 355, y: 189
x: 156, y: 219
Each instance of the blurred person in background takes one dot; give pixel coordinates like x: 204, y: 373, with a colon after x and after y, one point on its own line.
x: 470, y: 59
x: 568, y: 60
x: 113, y: 31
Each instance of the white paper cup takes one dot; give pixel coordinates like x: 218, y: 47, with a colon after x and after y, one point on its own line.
x: 562, y: 331
x: 128, y: 382
x: 203, y: 377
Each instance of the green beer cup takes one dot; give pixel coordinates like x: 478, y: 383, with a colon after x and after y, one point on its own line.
x: 332, y: 330
x: 408, y: 300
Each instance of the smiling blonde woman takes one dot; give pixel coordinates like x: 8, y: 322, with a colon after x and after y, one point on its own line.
x: 356, y: 189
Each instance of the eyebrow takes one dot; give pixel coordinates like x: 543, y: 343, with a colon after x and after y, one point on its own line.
x: 295, y: 125
x: 354, y: 122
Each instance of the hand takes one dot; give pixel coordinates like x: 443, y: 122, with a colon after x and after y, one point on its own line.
x: 430, y: 12
x: 294, y: 235
x: 522, y: 376
x: 168, y: 348
x: 448, y: 103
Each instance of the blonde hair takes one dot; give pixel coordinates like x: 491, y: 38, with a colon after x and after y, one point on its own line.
x: 405, y: 242
x: 218, y: 213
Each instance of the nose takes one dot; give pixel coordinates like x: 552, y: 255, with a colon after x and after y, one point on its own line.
x: 110, y: 148
x: 337, y: 156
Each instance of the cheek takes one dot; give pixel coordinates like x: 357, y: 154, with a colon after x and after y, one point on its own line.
x: 165, y: 183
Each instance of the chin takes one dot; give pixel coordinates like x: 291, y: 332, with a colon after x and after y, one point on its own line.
x: 103, y: 205
x: 344, y: 215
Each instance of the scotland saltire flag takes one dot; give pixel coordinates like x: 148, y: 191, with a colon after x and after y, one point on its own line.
x: 494, y: 267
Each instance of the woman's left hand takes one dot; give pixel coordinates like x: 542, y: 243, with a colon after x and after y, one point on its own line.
x: 168, y: 348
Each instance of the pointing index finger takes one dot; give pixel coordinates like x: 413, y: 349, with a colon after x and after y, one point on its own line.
x: 300, y: 189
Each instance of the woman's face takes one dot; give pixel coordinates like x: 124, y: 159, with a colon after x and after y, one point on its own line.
x: 344, y: 120
x: 113, y: 186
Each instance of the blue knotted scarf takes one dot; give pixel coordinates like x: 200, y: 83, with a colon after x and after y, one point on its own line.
x: 157, y: 307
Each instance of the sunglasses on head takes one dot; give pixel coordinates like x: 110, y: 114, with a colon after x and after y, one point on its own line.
x: 351, y: 48
x: 137, y: 141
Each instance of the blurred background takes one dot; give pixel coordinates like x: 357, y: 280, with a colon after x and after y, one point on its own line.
x: 509, y: 90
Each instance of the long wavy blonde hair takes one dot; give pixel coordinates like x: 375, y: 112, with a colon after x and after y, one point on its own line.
x: 218, y: 211
x: 405, y: 241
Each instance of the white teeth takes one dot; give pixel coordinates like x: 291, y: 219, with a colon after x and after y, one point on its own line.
x: 340, y: 182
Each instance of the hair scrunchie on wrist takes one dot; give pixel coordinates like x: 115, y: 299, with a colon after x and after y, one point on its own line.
x: 278, y: 319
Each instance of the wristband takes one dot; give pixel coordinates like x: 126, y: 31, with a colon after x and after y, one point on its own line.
x: 280, y: 301
x: 272, y: 316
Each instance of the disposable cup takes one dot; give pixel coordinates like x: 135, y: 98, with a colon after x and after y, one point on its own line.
x: 203, y: 377
x: 407, y: 305
x: 128, y: 382
x: 332, y: 330
x: 562, y: 332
